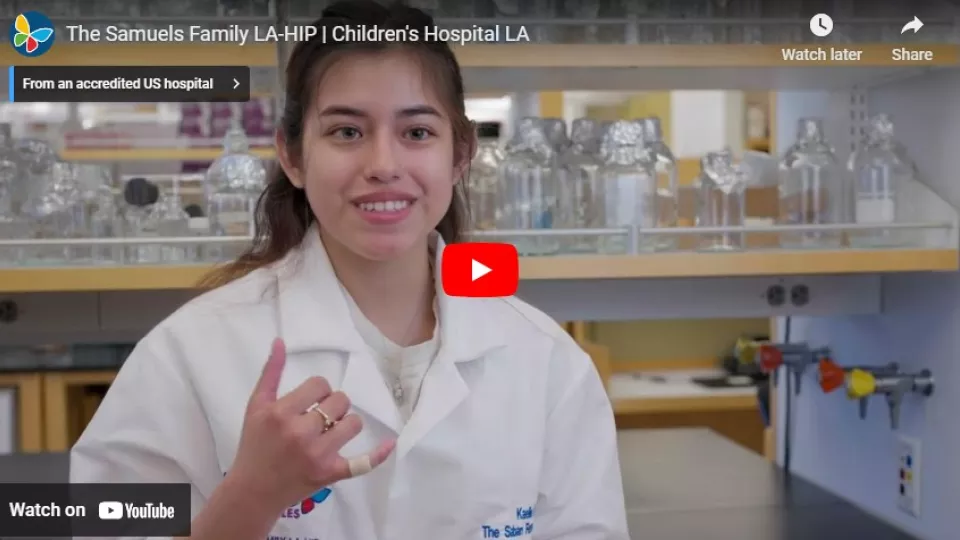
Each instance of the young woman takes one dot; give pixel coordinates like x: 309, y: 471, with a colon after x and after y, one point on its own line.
x: 385, y: 408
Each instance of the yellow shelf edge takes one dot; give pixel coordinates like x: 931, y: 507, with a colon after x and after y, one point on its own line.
x: 92, y: 279
x: 627, y: 406
x: 665, y: 265
x: 740, y: 264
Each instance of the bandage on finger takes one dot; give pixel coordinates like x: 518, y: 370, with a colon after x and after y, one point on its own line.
x: 359, y: 465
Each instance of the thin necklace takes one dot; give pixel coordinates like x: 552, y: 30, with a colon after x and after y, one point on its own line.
x: 399, y: 395
x: 396, y: 384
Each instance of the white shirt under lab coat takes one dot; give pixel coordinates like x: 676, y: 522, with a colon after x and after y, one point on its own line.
x: 513, y: 429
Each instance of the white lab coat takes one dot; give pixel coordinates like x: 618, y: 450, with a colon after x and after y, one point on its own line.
x: 513, y: 430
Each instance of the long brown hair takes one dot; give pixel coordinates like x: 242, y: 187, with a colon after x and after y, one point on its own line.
x: 283, y: 215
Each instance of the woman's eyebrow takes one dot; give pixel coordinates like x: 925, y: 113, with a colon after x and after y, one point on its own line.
x: 406, y: 112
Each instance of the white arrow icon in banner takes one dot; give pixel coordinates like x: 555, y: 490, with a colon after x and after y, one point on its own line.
x: 236, y: 83
x: 916, y: 24
x: 478, y: 270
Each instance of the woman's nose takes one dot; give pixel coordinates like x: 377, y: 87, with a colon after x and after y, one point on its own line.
x: 383, y: 165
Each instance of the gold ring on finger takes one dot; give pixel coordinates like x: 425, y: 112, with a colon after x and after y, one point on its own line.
x: 328, y: 423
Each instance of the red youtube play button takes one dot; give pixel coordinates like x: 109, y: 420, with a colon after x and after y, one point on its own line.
x: 480, y: 270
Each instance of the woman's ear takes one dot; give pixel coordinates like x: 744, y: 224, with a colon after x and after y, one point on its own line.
x: 287, y: 163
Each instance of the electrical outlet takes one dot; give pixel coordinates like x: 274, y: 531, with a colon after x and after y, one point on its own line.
x: 908, y: 475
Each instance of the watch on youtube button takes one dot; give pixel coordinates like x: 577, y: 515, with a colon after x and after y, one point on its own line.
x: 480, y: 270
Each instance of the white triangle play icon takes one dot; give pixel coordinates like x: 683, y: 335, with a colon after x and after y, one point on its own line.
x: 478, y: 270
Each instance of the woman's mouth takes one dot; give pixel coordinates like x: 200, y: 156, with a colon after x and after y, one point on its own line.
x: 384, y: 206
x: 385, y: 213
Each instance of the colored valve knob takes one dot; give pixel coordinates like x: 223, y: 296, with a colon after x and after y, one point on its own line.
x: 746, y: 350
x: 831, y: 375
x: 860, y: 384
x: 771, y: 358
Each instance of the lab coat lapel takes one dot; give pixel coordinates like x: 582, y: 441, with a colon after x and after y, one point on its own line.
x: 363, y: 384
x: 466, y: 335
x: 313, y: 317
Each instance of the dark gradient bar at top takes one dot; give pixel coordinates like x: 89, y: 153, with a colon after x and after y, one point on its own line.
x: 118, y: 84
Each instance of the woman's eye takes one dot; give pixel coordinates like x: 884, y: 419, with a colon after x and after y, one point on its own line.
x: 347, y: 133
x: 419, y: 134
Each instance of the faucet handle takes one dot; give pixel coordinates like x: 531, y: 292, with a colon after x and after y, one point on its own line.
x: 746, y: 350
x: 771, y: 357
x: 860, y: 384
x: 830, y: 375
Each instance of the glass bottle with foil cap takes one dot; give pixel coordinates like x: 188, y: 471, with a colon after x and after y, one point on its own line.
x: 668, y: 184
x: 813, y: 189
x: 524, y: 125
x: 12, y: 224
x: 55, y: 211
x: 37, y: 160
x: 581, y: 199
x: 556, y: 130
x: 233, y: 184
x: 720, y: 201
x: 528, y: 198
x: 884, y: 176
x: 629, y: 185
x: 485, y: 184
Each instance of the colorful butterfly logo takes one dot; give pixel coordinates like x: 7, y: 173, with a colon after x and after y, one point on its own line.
x: 28, y: 38
x: 308, y: 504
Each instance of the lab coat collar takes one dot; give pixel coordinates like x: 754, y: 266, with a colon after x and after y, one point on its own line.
x: 314, y: 316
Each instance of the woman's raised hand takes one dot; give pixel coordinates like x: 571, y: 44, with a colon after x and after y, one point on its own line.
x: 290, y: 445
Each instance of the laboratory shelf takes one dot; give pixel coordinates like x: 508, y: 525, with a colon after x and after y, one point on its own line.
x: 587, y: 267
x: 152, y: 154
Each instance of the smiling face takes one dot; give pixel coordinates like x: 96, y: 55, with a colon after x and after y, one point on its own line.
x: 377, y: 161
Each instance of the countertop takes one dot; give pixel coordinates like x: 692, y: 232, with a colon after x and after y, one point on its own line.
x: 675, y: 392
x: 679, y: 484
x: 683, y: 484
x: 670, y: 384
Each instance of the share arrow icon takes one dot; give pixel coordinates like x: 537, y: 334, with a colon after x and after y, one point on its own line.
x: 916, y: 24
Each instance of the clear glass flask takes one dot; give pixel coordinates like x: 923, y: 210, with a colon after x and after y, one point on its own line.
x: 106, y: 222
x: 485, y: 184
x: 233, y: 185
x: 55, y: 211
x: 173, y: 222
x: 581, y: 199
x: 883, y: 175
x: 556, y: 130
x: 720, y: 201
x: 12, y: 224
x: 668, y: 183
x: 528, y: 199
x: 813, y: 189
x: 629, y: 185
x: 140, y: 220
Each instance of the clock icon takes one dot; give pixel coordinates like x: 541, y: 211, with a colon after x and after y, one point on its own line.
x: 821, y: 25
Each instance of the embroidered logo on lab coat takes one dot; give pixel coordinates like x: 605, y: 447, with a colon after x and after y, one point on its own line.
x: 305, y: 506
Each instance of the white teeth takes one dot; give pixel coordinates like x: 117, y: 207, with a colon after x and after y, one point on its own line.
x: 384, y: 206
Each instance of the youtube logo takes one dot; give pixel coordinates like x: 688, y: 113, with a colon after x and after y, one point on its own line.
x: 480, y: 270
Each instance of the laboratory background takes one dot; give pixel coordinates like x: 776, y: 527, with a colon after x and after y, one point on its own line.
x: 760, y: 258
